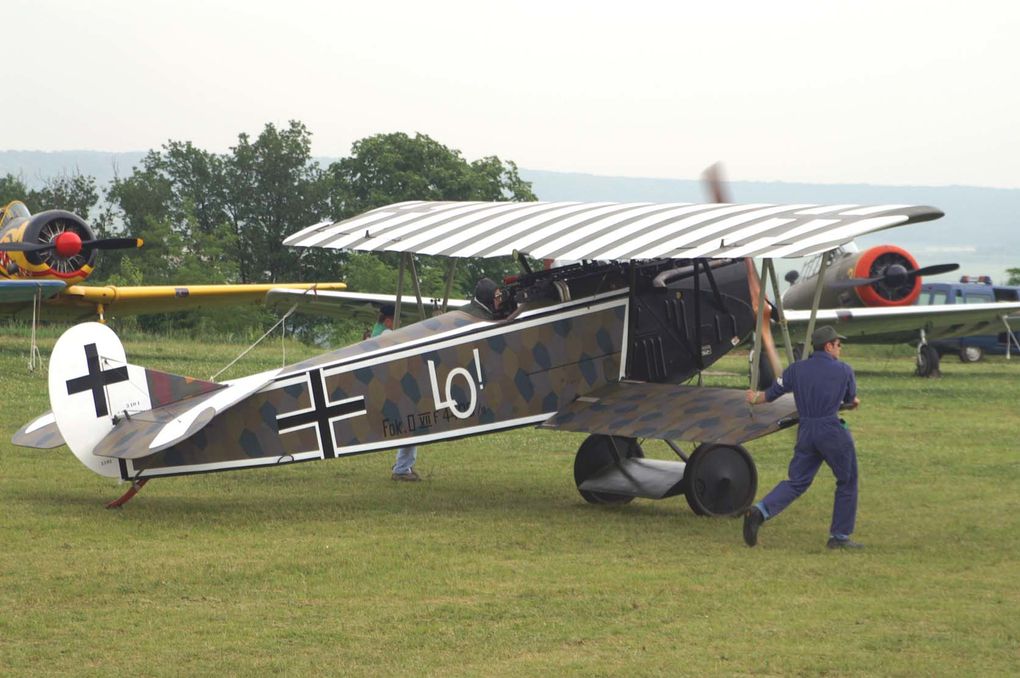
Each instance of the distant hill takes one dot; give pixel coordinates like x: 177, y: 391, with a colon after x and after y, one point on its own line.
x: 981, y: 229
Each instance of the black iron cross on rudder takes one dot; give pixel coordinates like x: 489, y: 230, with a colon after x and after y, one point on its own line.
x: 96, y: 380
x: 321, y: 413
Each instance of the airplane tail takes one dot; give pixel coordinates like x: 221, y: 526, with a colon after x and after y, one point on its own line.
x: 92, y: 387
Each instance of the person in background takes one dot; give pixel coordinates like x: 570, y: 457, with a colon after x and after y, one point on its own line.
x: 403, y: 469
x: 821, y: 384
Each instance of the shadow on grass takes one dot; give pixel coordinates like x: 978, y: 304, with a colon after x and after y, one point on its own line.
x: 294, y: 500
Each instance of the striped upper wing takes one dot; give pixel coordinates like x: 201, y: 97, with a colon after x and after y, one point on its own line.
x: 607, y: 230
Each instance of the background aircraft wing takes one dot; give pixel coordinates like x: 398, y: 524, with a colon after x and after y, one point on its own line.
x: 358, y: 305
x: 81, y: 302
x: 607, y: 230
x: 903, y: 323
x: 22, y: 292
x: 672, y: 412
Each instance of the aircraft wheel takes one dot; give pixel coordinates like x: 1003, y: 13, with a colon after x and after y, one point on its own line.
x: 927, y: 361
x: 597, y: 452
x: 720, y: 480
x: 971, y: 354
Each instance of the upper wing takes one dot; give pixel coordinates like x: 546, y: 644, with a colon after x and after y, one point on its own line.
x: 362, y: 305
x: 904, y: 323
x: 671, y: 412
x: 81, y: 302
x: 607, y: 230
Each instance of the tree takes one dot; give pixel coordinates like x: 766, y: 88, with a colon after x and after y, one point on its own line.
x: 12, y: 188
x: 1014, y: 276
x: 389, y: 168
x: 273, y: 189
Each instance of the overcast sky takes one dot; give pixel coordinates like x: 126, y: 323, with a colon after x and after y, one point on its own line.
x: 881, y: 92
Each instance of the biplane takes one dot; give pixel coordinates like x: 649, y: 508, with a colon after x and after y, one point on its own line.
x: 871, y: 296
x: 610, y: 347
x: 44, y: 257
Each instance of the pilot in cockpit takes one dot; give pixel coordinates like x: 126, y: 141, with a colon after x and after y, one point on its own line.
x: 489, y: 301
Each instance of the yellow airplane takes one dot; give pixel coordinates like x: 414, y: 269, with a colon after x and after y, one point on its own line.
x: 44, y: 256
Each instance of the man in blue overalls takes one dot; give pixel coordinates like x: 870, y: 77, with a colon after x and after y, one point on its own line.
x: 820, y: 385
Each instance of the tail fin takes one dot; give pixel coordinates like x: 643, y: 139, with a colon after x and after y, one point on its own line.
x: 92, y: 387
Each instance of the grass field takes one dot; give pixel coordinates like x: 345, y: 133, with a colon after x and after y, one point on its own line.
x: 495, y: 566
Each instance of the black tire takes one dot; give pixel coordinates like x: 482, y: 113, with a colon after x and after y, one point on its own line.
x: 597, y: 452
x: 971, y: 354
x: 720, y: 480
x: 927, y: 361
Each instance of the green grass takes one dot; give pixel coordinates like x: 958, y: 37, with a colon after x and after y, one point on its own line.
x: 495, y: 566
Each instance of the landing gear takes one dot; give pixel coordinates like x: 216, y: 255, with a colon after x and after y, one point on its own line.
x: 971, y: 354
x: 595, y: 454
x: 927, y: 361
x: 126, y: 497
x: 720, y: 480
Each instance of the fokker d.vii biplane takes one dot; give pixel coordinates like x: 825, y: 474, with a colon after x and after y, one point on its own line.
x: 44, y: 256
x: 603, y: 347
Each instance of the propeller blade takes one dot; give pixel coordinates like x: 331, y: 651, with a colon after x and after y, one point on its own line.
x: 935, y: 270
x: 25, y: 246
x: 712, y: 177
x: 112, y: 243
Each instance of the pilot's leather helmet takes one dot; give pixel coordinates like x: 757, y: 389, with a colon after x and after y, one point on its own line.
x: 485, y: 293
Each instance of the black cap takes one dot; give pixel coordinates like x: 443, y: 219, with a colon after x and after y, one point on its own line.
x: 825, y: 334
x: 387, y: 310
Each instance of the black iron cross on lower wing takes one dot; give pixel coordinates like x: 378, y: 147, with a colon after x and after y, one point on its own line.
x: 96, y: 380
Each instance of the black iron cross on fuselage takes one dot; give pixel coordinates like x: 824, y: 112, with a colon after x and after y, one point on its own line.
x: 96, y: 380
x: 321, y: 413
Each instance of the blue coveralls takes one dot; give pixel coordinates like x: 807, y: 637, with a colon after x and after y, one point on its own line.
x: 819, y: 385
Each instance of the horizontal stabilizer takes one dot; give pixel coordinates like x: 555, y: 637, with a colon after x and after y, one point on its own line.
x: 41, y: 433
x: 154, y: 430
x: 672, y: 412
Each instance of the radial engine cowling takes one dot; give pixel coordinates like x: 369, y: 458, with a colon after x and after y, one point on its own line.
x: 897, y: 287
x: 67, y: 259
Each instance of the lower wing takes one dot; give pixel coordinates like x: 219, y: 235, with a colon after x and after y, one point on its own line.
x: 671, y: 412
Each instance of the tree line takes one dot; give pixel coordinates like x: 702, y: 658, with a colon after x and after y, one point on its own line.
x: 221, y: 217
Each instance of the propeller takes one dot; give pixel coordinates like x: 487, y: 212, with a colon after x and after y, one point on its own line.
x: 69, y: 244
x: 716, y: 187
x: 895, y: 275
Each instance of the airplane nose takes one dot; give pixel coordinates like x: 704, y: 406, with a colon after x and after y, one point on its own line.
x: 896, y: 274
x: 67, y: 244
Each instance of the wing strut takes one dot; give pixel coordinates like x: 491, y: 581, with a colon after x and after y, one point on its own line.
x: 417, y: 286
x: 826, y: 258
x: 34, y: 356
x: 783, y: 324
x: 449, y: 283
x: 400, y: 291
x: 1010, y: 338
